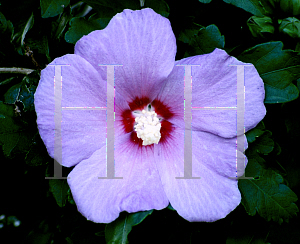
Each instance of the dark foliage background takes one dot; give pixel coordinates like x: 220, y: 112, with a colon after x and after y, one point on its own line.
x: 265, y: 33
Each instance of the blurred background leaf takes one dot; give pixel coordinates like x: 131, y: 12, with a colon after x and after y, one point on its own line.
x: 51, y: 8
x: 59, y: 189
x: 256, y: 7
x: 80, y: 27
x: 202, y: 41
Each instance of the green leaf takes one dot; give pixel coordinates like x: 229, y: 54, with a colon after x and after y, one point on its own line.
x: 117, y: 5
x: 70, y: 198
x: 81, y: 26
x: 275, y: 95
x: 5, y: 26
x: 170, y: 207
x: 278, y: 68
x: 10, y: 27
x: 12, y: 94
x: 189, y: 34
x: 117, y: 231
x: 159, y: 6
x: 290, y: 7
x: 23, y: 93
x: 12, y: 135
x: 203, y: 41
x: 59, y: 26
x: 205, y: 1
x: 51, y: 8
x: 267, y: 196
x: 59, y: 189
x: 253, y: 154
x: 103, y: 13
x: 290, y: 27
x: 36, y: 154
x: 264, y: 144
x: 6, y: 81
x: 27, y: 27
x: 26, y: 97
x: 107, y: 9
x: 19, y: 37
x: 256, y: 7
x: 41, y: 45
x: 98, y: 4
x: 3, y: 23
x: 261, y: 27
x: 255, y: 132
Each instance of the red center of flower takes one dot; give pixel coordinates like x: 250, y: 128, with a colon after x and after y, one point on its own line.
x: 162, y: 110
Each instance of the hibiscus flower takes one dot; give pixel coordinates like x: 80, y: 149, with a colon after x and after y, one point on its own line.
x: 149, y: 124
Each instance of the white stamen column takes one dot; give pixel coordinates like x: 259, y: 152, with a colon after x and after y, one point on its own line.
x: 148, y: 127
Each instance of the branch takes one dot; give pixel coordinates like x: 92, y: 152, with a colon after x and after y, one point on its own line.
x: 16, y: 70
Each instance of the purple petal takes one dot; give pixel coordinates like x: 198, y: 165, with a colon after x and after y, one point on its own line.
x: 101, y: 200
x: 142, y: 41
x: 172, y: 94
x: 214, y: 195
x: 82, y: 131
x: 214, y: 84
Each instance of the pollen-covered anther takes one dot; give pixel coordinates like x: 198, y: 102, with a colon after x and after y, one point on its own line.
x: 148, y: 127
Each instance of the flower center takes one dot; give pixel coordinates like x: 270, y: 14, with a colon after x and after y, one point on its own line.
x: 162, y: 111
x: 147, y: 127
